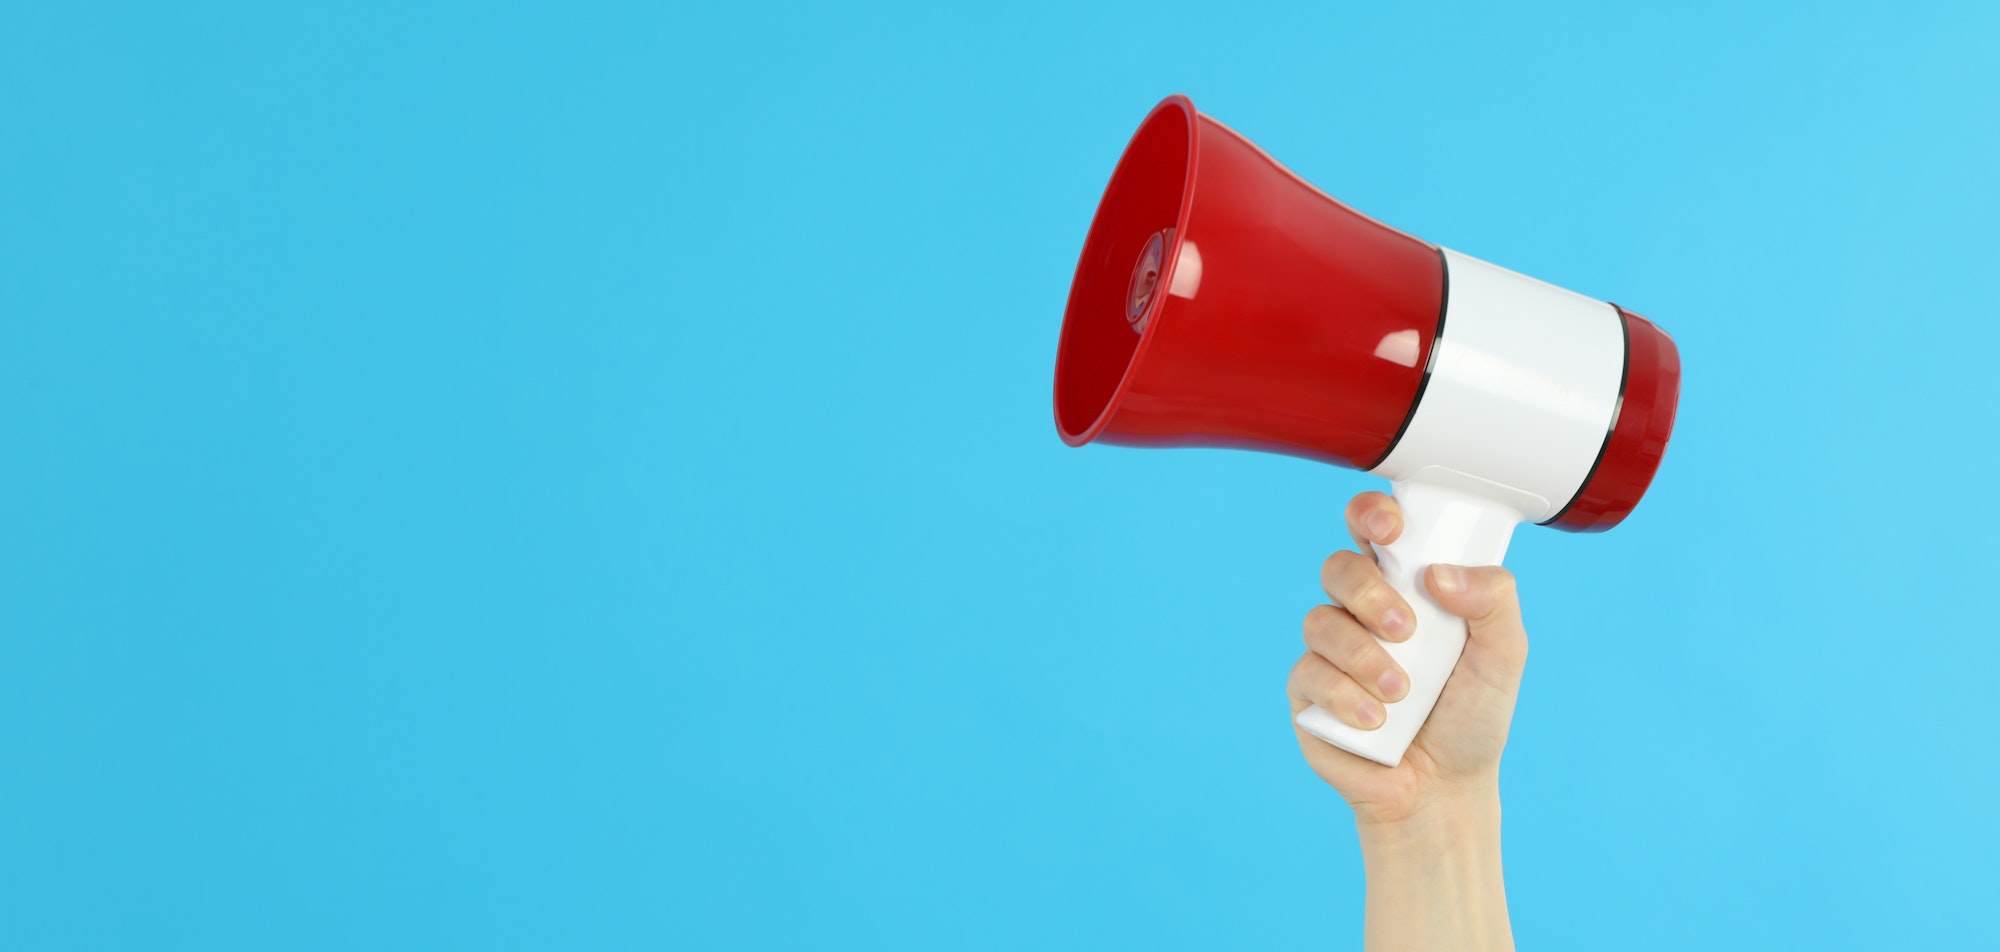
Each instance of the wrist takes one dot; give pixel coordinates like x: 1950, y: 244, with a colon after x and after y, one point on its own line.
x: 1460, y: 822
x: 1434, y: 875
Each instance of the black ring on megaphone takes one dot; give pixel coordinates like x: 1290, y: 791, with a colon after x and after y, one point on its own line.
x: 1617, y: 408
x: 1430, y: 361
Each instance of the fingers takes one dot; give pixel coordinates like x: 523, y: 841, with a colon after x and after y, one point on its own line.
x: 1485, y: 597
x: 1373, y: 517
x: 1333, y: 634
x: 1315, y: 680
x: 1354, y: 582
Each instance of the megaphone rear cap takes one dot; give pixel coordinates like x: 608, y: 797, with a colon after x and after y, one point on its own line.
x: 1096, y: 359
x: 1637, y: 441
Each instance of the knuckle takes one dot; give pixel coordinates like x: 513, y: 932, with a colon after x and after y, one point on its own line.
x: 1317, y: 619
x: 1333, y: 691
x: 1323, y: 687
x: 1337, y: 565
x: 1365, y: 658
x: 1320, y: 639
x: 1371, y: 594
x: 1332, y: 640
x: 1315, y: 691
x: 1295, y: 680
x: 1342, y: 565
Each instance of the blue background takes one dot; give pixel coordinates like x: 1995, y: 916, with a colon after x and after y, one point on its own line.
x: 581, y: 476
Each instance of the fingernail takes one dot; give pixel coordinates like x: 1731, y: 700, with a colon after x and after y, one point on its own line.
x: 1394, y: 622
x: 1392, y: 685
x: 1450, y: 578
x: 1369, y: 713
x: 1379, y: 524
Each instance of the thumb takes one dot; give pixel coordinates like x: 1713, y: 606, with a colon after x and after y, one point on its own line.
x: 1485, y: 597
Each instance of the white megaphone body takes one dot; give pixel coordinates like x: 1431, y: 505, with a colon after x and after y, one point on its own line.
x: 1223, y: 301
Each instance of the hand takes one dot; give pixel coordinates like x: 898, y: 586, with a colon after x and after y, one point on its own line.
x: 1456, y: 756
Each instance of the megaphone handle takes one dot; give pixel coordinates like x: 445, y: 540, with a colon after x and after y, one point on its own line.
x: 1441, y: 523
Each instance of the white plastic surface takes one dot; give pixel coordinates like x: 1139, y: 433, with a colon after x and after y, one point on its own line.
x: 1441, y: 523
x: 1522, y: 388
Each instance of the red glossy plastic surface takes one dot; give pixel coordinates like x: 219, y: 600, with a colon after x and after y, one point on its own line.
x: 1639, y: 438
x: 1282, y: 321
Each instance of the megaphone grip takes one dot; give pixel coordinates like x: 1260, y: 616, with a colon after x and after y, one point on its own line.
x: 1441, y: 523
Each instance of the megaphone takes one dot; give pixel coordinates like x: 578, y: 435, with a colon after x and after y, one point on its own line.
x: 1223, y: 301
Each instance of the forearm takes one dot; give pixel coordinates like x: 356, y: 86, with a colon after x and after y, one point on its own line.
x: 1434, y: 879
